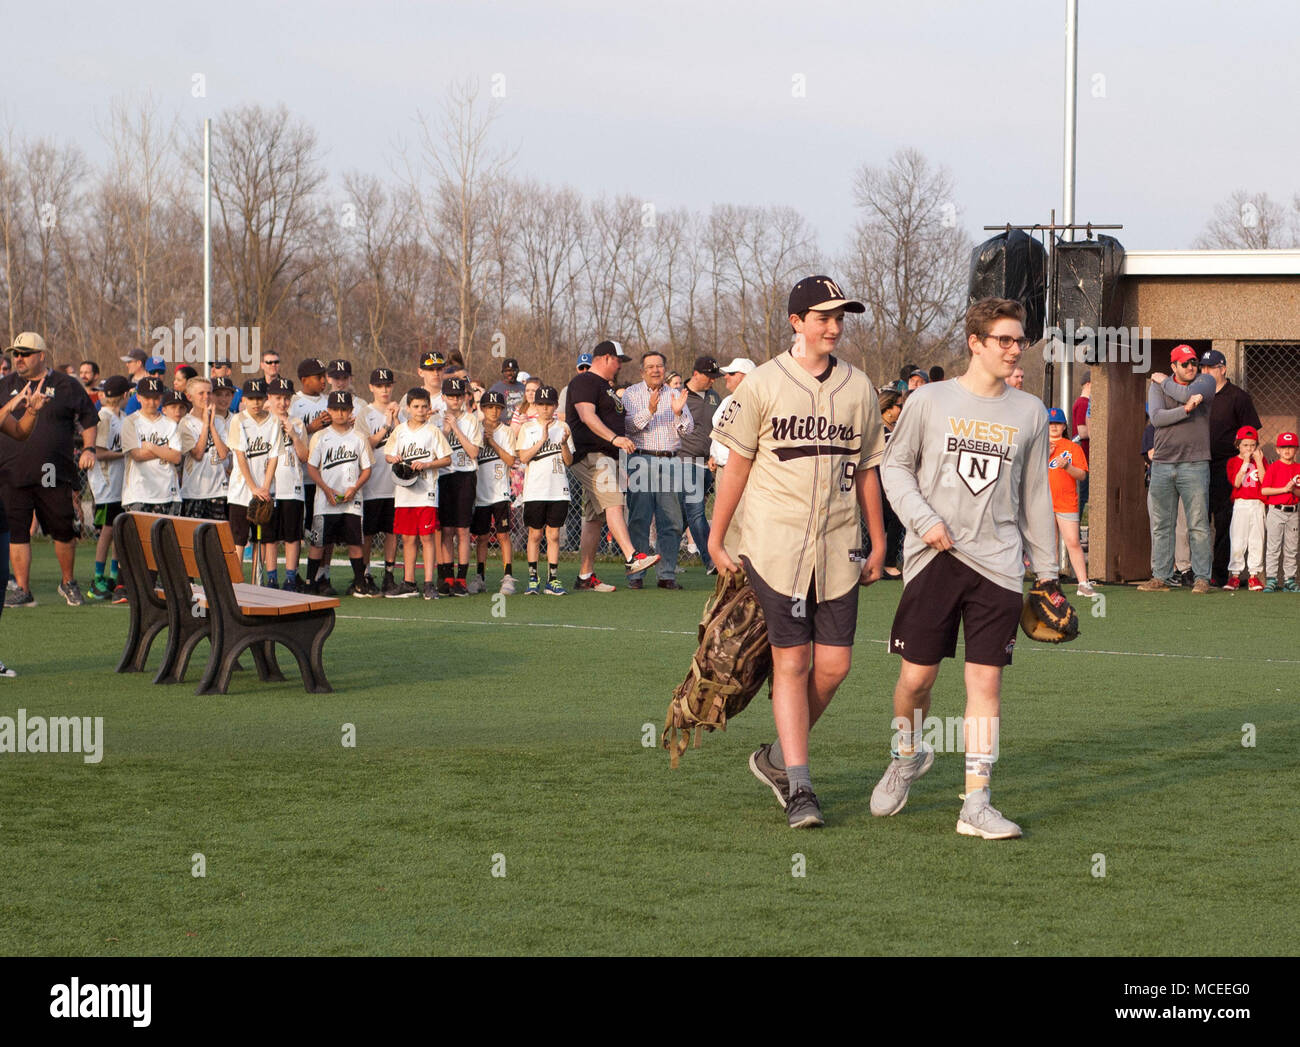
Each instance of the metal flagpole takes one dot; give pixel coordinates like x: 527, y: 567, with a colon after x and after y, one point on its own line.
x: 1071, y: 112
x: 207, y: 248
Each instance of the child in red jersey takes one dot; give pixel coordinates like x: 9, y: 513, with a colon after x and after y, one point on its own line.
x: 1282, y: 524
x: 1066, y: 466
x: 1246, y: 532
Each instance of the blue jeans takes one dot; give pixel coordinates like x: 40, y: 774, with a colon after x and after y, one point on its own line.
x: 1171, y: 481
x: 651, y: 494
x: 696, y: 481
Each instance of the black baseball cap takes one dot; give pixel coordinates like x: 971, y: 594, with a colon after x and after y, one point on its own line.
x: 171, y: 396
x: 280, y: 386
x: 454, y: 387
x: 608, y: 348
x: 340, y: 369
x: 509, y: 364
x: 547, y: 394
x: 139, y: 355
x: 310, y: 367
x: 222, y: 382
x: 706, y: 365
x: 1213, y: 358
x: 491, y: 399
x: 381, y: 376
x: 340, y: 399
x: 432, y: 361
x: 150, y: 386
x: 255, y: 388
x: 115, y: 385
x: 822, y: 293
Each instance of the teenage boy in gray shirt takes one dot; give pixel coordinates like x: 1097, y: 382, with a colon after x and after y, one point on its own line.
x: 966, y: 471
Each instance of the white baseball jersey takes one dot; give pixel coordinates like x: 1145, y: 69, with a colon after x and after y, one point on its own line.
x: 308, y: 409
x: 106, y: 477
x: 493, y: 476
x: 370, y: 421
x: 288, y: 466
x: 472, y: 429
x: 411, y: 443
x: 437, y: 405
x: 153, y: 481
x: 340, y: 459
x: 545, y: 477
x: 807, y: 438
x: 205, y: 478
x: 719, y: 451
x: 259, y: 443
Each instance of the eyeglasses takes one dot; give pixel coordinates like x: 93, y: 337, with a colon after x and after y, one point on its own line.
x: 1005, y: 341
x: 270, y: 361
x: 1186, y: 363
x: 26, y: 352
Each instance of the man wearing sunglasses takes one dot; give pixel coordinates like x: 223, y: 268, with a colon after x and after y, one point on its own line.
x: 39, y: 476
x: 1179, y: 407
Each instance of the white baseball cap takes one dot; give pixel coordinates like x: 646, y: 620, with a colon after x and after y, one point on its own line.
x: 741, y: 364
x: 523, y: 376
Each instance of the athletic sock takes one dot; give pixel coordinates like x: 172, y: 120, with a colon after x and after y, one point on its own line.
x: 584, y: 577
x: 461, y: 570
x: 113, y: 568
x: 389, y: 565
x: 99, y: 568
x: 904, y: 747
x: 776, y: 755
x: 358, y: 570
x: 482, y: 568
x: 273, y: 576
x: 509, y: 570
x: 532, y: 570
x: 444, y: 572
x: 290, y: 576
x: 979, y: 771
x: 799, y: 777
x: 552, y: 571
x: 313, y: 568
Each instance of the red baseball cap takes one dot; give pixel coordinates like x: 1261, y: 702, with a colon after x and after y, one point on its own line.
x: 1248, y: 432
x: 1181, y: 353
x: 1287, y: 440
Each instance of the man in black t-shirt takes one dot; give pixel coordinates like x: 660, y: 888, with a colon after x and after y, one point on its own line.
x: 39, y: 475
x: 595, y: 418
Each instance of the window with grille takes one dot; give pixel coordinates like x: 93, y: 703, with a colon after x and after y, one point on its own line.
x: 1271, y: 374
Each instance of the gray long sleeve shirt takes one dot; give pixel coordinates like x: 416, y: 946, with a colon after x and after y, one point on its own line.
x: 978, y: 465
x: 1180, y: 436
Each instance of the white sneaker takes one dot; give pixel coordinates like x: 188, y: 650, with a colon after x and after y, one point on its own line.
x: 6, y: 671
x: 1086, y: 589
x: 980, y: 818
x: 508, y: 586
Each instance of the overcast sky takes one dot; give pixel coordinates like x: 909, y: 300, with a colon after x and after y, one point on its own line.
x: 688, y: 104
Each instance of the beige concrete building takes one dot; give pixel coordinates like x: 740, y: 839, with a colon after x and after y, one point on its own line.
x: 1246, y: 304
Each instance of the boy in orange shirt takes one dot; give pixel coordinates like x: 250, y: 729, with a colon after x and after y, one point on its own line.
x: 1066, y: 466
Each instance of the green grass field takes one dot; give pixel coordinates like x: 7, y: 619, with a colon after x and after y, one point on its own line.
x: 521, y: 736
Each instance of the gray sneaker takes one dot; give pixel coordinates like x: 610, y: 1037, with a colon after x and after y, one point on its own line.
x: 6, y: 671
x: 803, y: 811
x: 890, y: 794
x: 770, y: 774
x: 71, y: 592
x: 476, y: 585
x: 980, y: 818
x: 19, y: 598
x: 508, y: 585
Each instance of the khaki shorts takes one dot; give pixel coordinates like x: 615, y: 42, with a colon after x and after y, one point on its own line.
x: 598, y: 474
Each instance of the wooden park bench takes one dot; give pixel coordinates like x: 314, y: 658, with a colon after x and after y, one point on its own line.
x: 162, y: 555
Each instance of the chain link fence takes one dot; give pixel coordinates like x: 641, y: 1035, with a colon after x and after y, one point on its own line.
x: 1271, y: 374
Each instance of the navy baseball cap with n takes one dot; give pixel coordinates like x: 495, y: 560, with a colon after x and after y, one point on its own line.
x: 1213, y: 358
x: 150, y: 387
x: 280, y: 386
x: 821, y: 293
x: 340, y: 369
x: 491, y: 399
x: 509, y: 365
x: 584, y: 361
x: 340, y: 400
x: 171, y: 396
x: 454, y: 387
x: 310, y: 367
x: 432, y: 362
x: 255, y: 389
x: 609, y: 348
x: 707, y: 366
x: 381, y: 376
x: 222, y: 382
x: 547, y: 394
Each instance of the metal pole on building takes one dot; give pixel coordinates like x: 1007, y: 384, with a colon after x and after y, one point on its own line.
x: 1071, y: 112
x: 207, y: 248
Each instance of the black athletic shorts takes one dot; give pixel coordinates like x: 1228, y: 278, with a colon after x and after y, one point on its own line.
x: 456, y: 499
x: 377, y: 516
x: 52, y: 507
x: 286, y: 521
x: 545, y: 514
x: 945, y: 594
x: 204, y: 508
x: 239, y: 526
x: 338, y: 528
x: 793, y: 623
x: 309, y: 502
x: 106, y: 514
x: 490, y: 519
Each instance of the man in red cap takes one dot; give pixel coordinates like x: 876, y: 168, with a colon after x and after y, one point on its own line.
x: 1179, y: 408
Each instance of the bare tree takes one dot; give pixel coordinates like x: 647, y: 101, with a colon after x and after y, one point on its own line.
x: 1249, y: 221
x: 54, y: 177
x: 548, y: 230
x: 908, y: 263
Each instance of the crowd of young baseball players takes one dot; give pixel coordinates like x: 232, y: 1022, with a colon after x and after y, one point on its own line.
x: 430, y: 468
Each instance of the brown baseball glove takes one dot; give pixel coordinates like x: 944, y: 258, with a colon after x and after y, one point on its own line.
x: 1047, y: 615
x: 731, y: 664
x: 259, y: 510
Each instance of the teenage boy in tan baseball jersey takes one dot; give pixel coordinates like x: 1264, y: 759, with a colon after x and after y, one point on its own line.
x: 805, y: 439
x: 964, y: 472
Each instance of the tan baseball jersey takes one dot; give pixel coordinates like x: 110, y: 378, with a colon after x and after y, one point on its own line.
x: 807, y: 438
